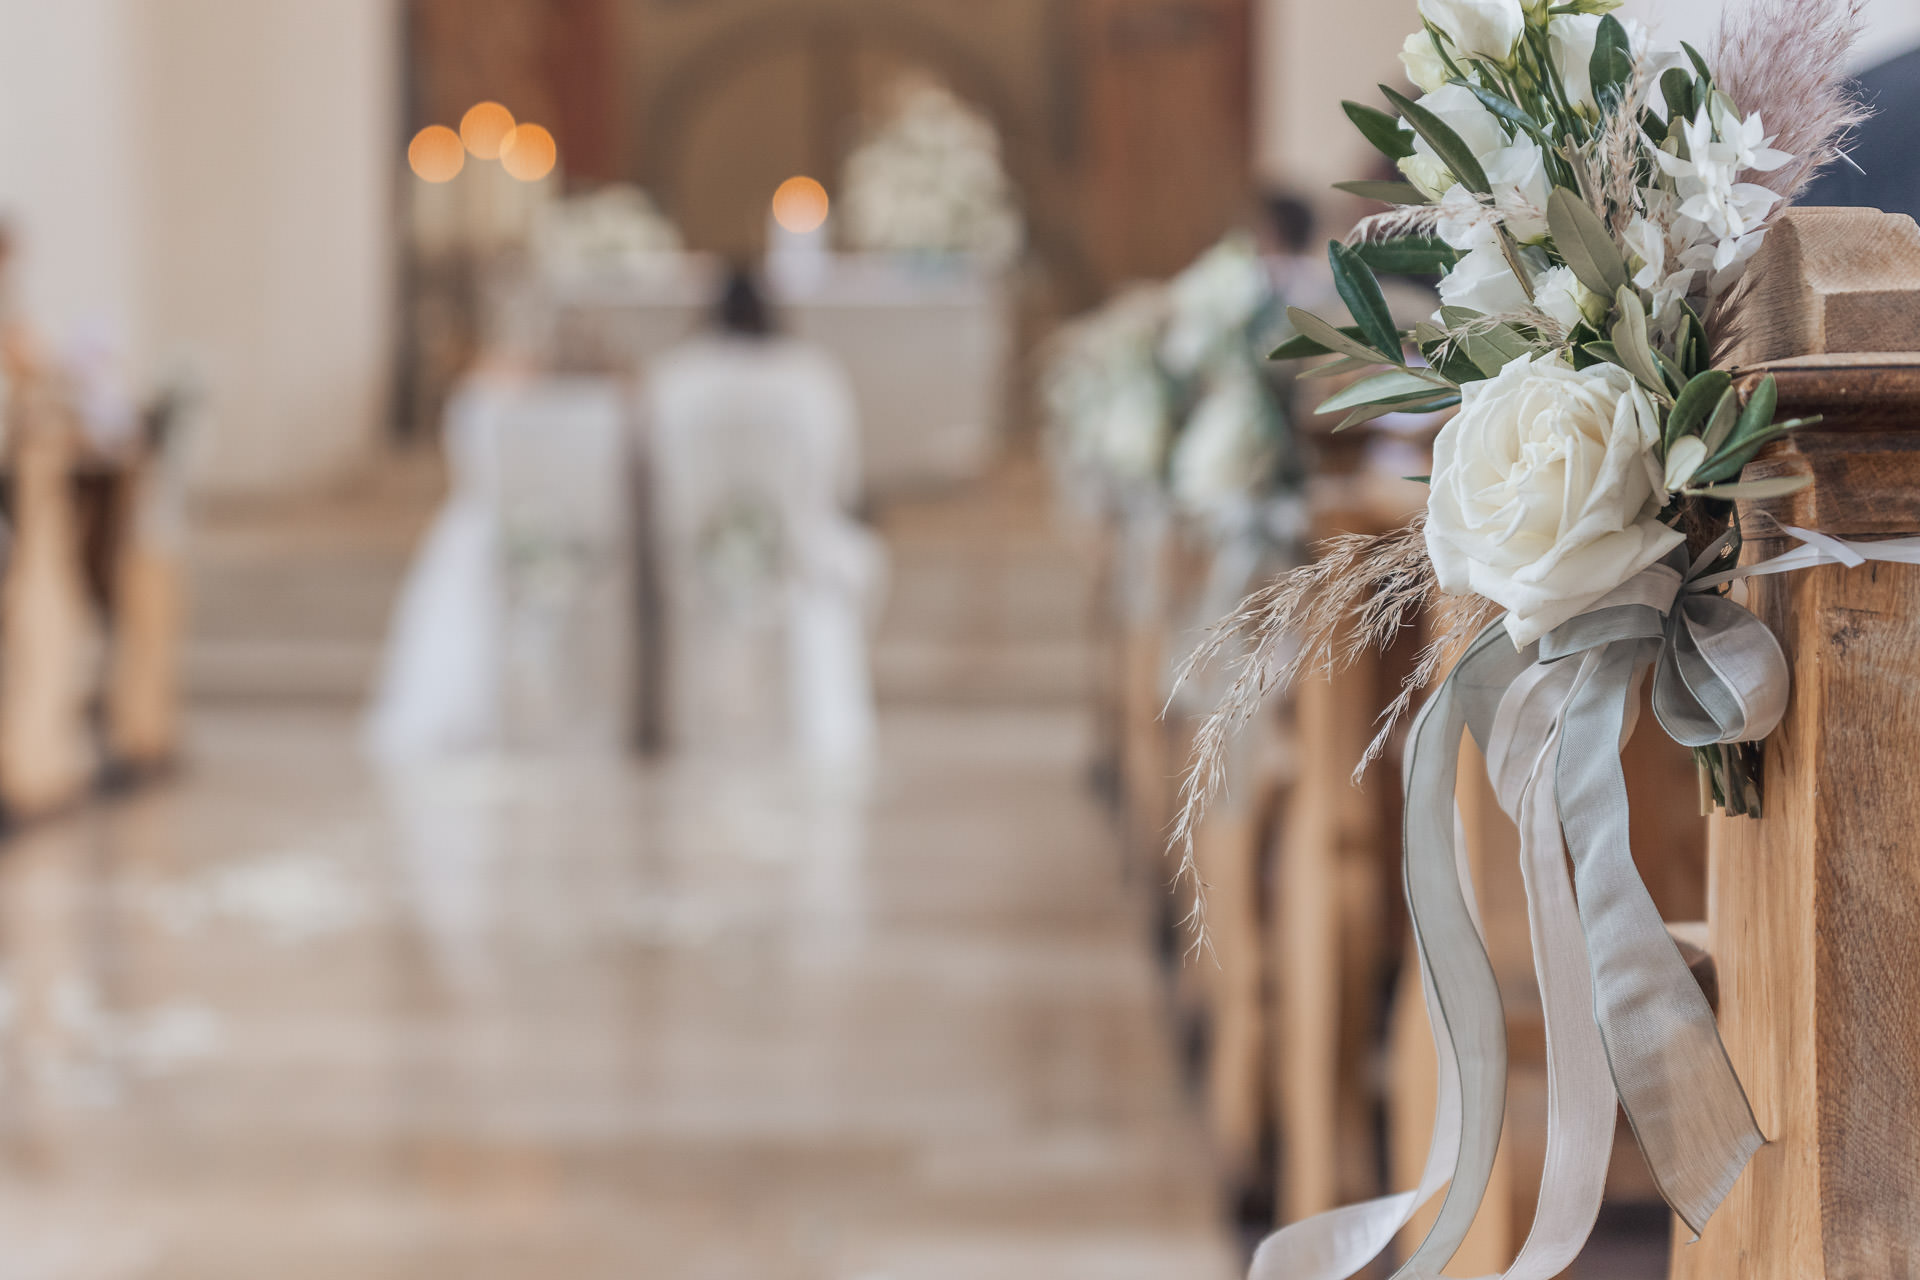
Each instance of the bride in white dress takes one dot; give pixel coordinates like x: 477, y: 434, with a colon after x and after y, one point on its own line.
x: 769, y: 583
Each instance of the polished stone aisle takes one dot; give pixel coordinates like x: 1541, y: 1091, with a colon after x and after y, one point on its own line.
x: 570, y: 1021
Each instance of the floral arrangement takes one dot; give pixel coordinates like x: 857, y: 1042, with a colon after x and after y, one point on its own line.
x: 1590, y: 201
x: 930, y: 180
x: 1164, y: 391
x: 615, y: 227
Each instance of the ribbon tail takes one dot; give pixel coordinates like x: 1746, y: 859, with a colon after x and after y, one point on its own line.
x: 1580, y: 1098
x: 1439, y: 899
x: 1679, y: 1091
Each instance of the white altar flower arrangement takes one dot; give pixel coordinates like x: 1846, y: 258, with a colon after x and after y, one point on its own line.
x: 616, y: 227
x: 930, y: 180
x: 1589, y: 200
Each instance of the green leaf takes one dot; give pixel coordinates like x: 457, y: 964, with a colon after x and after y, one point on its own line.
x: 1694, y: 403
x: 1676, y: 86
x: 1385, y: 192
x: 1584, y: 241
x: 1500, y: 106
x: 1759, y: 411
x: 1612, y: 63
x: 1496, y: 348
x: 1395, y: 384
x: 1771, y: 487
x: 1604, y: 352
x: 1419, y: 479
x: 1361, y: 292
x: 1409, y: 256
x: 1382, y: 130
x: 1446, y: 144
x: 1300, y: 346
x: 1720, y: 426
x: 1739, y: 452
x: 1345, y: 364
x: 1699, y: 63
x: 1332, y: 339
x: 1367, y: 413
x: 1630, y: 341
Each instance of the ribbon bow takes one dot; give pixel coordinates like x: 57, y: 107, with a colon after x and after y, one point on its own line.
x: 1625, y: 1019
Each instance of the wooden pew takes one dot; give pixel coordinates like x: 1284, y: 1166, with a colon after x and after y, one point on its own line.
x: 1814, y: 914
x: 49, y: 640
x: 147, y: 608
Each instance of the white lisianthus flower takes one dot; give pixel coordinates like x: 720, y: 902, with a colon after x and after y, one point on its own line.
x: 1225, y: 451
x: 1518, y: 176
x: 1559, y: 293
x: 1460, y: 111
x: 1424, y: 170
x: 1478, y: 28
x: 1423, y: 62
x: 1545, y: 493
x: 1570, y: 40
x: 1482, y: 281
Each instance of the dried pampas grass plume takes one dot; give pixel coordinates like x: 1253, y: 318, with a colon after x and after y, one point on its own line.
x: 1358, y: 595
x: 1787, y: 59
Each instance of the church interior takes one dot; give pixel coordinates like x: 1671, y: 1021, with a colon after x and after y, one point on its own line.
x: 594, y: 604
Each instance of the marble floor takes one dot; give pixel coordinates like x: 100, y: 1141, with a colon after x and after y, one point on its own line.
x: 511, y: 1019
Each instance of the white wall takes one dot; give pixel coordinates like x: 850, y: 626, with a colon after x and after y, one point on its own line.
x: 211, y: 179
x: 66, y: 174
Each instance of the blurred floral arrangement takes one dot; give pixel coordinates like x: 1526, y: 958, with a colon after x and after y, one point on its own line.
x: 615, y: 227
x: 929, y: 180
x: 1589, y: 200
x: 1162, y: 394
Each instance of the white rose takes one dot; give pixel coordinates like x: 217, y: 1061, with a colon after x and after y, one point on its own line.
x: 1545, y: 495
x: 1482, y: 281
x: 1559, y: 293
x: 1422, y: 61
x: 1486, y: 28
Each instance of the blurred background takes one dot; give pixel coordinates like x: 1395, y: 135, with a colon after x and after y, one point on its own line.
x: 587, y: 595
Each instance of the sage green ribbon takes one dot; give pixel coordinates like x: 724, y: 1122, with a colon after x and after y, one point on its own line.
x: 1720, y: 676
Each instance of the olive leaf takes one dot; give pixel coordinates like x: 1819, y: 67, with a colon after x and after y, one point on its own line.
x: 1584, y: 241
x: 1720, y: 426
x: 1771, y: 487
x: 1361, y: 292
x: 1386, y: 134
x: 1408, y: 256
x: 1446, y: 144
x: 1630, y: 342
x: 1367, y: 413
x: 1300, y: 346
x: 1695, y: 403
x: 1395, y: 384
x: 1385, y: 192
x: 1329, y: 338
x: 1758, y: 413
x: 1496, y: 348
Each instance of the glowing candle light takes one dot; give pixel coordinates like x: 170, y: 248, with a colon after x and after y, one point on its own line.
x: 529, y: 153
x: 485, y: 129
x: 436, y: 154
x: 800, y: 205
